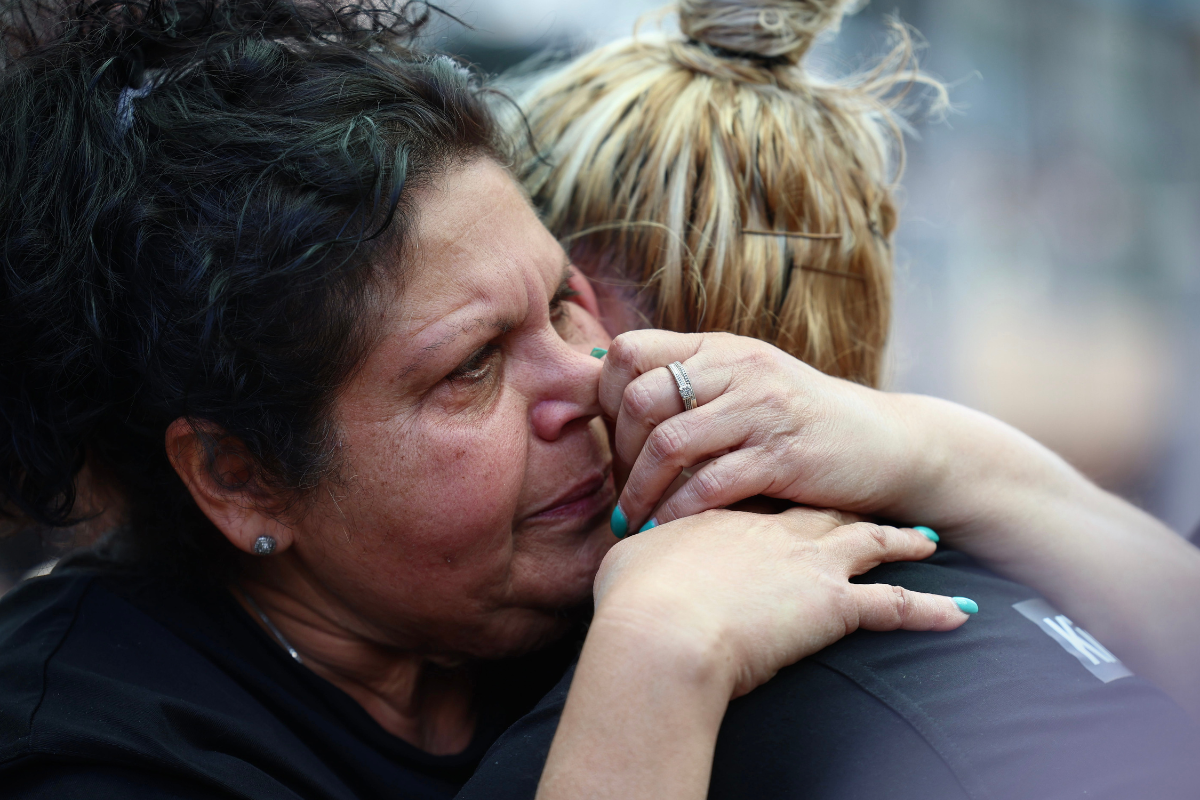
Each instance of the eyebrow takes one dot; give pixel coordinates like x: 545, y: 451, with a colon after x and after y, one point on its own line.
x: 499, y: 324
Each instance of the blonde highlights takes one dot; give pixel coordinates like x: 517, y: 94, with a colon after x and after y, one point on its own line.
x: 692, y: 169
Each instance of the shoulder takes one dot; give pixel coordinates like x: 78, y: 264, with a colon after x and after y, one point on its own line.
x: 1019, y: 684
x: 36, y: 618
x: 996, y: 709
x: 512, y: 767
x: 88, y: 665
x: 52, y: 780
x: 92, y: 679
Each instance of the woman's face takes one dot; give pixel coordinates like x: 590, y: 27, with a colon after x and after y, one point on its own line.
x: 476, y: 491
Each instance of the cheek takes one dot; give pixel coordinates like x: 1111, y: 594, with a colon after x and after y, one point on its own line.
x: 444, y: 495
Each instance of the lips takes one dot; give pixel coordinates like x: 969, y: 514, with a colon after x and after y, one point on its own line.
x: 584, y: 499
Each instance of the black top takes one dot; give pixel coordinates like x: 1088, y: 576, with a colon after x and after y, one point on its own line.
x: 125, y: 688
x: 1018, y: 704
x: 119, y: 688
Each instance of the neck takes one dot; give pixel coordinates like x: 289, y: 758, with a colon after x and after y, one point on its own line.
x: 413, y: 696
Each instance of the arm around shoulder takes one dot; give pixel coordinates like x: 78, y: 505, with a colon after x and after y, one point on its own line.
x: 1022, y: 511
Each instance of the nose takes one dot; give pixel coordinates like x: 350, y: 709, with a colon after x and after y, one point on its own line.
x: 569, y: 392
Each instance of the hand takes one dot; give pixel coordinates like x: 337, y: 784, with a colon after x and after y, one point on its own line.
x: 704, y: 609
x: 774, y: 426
x: 752, y: 593
x: 766, y: 424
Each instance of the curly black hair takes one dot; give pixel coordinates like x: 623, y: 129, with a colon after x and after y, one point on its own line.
x: 194, y: 197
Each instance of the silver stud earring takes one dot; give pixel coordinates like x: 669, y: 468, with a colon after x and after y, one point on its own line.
x: 264, y: 545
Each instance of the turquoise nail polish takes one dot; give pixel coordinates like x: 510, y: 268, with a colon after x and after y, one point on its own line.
x: 651, y: 524
x: 598, y: 352
x: 966, y: 605
x: 927, y: 533
x: 619, y: 523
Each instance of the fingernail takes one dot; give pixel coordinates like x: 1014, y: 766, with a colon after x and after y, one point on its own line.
x: 619, y: 523
x: 966, y: 605
x: 598, y: 352
x: 927, y: 533
x: 651, y: 524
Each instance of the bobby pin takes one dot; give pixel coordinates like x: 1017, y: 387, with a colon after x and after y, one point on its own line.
x: 835, y: 273
x: 794, y: 234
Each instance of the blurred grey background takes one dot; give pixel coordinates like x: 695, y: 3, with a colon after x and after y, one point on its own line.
x: 1050, y: 241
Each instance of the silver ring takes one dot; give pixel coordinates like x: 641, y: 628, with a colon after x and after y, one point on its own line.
x: 685, y: 385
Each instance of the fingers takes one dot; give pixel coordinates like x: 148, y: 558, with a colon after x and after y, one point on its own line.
x: 648, y: 400
x: 721, y: 482
x: 865, y: 545
x: 887, y: 608
x: 651, y: 416
x: 675, y: 444
x: 652, y: 397
x: 633, y: 354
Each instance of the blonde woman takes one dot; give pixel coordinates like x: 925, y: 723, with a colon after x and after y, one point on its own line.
x: 711, y: 183
x: 708, y: 184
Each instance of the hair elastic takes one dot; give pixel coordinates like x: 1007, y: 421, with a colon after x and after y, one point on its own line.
x: 125, y: 105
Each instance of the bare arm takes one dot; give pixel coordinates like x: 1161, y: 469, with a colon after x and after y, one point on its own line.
x: 1021, y: 510
x: 641, y: 720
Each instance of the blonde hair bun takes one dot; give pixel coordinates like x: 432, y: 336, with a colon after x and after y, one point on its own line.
x: 765, y: 28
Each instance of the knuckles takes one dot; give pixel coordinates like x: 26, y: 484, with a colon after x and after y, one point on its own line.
x: 871, y: 534
x: 900, y: 604
x: 668, y: 442
x: 638, y: 400
x: 711, y: 484
x: 622, y: 351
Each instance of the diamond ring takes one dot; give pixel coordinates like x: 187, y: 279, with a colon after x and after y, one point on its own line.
x: 685, y: 385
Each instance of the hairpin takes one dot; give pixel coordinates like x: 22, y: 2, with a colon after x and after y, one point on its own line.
x: 794, y: 234
x: 798, y: 235
x: 835, y: 273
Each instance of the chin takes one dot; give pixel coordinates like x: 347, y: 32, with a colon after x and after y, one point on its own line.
x: 551, y: 593
x: 554, y: 572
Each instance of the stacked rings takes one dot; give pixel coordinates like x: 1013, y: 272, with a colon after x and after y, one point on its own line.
x: 685, y: 385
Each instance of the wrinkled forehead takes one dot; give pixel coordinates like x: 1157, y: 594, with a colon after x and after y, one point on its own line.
x: 478, y: 256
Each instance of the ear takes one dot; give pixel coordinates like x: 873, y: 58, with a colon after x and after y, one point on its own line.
x: 222, y: 482
x: 586, y: 296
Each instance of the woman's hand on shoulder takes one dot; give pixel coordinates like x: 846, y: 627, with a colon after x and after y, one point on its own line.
x: 704, y: 609
x: 747, y: 594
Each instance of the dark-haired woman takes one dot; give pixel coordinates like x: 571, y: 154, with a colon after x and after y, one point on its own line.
x: 267, y: 286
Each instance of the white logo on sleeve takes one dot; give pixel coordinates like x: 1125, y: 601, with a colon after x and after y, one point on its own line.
x: 1075, y: 640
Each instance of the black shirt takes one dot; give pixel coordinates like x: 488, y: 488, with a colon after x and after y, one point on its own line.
x: 116, y: 687
x: 1011, y: 706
